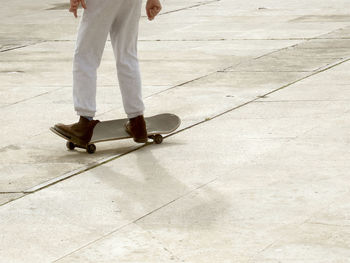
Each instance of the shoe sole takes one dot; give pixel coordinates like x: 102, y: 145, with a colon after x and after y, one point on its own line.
x: 71, y: 137
x: 141, y: 140
x: 137, y: 140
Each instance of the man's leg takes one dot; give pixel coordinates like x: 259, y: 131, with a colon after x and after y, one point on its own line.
x: 93, y: 32
x: 92, y: 35
x: 124, y: 35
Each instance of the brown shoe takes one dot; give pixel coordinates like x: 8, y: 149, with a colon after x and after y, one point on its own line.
x: 80, y: 132
x: 136, y: 127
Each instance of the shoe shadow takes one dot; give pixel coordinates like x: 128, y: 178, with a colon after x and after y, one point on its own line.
x: 81, y: 156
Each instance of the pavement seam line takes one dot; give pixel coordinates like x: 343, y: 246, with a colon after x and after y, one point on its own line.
x: 165, y: 13
x: 318, y: 71
x: 13, y: 48
x: 34, y: 97
x: 22, y: 46
x: 138, y: 219
x: 163, y: 246
x: 78, y: 171
x: 260, y: 97
x: 189, y: 7
x: 319, y: 37
x: 13, y: 199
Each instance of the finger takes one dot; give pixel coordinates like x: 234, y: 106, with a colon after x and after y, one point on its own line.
x: 148, y: 13
x: 153, y: 13
x: 83, y: 4
x: 75, y: 13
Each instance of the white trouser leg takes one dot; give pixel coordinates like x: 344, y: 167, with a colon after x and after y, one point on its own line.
x: 124, y: 34
x: 92, y: 35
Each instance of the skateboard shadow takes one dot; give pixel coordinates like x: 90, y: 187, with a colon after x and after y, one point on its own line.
x: 143, y: 186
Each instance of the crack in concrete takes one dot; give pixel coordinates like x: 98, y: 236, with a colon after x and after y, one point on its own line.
x: 22, y: 46
x: 189, y: 7
x: 30, y: 98
x: 12, y: 48
x: 79, y: 171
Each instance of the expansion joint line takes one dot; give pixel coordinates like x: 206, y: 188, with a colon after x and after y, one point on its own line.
x: 189, y: 7
x: 138, y: 219
x: 22, y: 46
x: 263, y: 96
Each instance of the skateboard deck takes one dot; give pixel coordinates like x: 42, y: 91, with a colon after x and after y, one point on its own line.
x: 115, y: 130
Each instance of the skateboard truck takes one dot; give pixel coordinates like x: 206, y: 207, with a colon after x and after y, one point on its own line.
x: 157, y: 138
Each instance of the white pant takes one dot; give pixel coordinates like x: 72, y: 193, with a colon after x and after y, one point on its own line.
x: 120, y: 18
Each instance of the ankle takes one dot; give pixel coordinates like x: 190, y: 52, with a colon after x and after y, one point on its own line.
x: 88, y: 118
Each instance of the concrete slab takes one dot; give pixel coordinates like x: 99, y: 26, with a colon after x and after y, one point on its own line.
x: 328, y: 88
x: 265, y: 181
x: 130, y: 244
x: 342, y: 33
x: 108, y: 97
x: 250, y: 147
x: 311, y: 243
x: 238, y: 194
x: 309, y: 59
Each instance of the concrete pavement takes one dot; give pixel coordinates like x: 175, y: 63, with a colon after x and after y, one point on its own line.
x: 258, y: 171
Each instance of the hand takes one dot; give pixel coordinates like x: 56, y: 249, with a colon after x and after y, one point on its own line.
x: 74, y: 4
x: 153, y: 8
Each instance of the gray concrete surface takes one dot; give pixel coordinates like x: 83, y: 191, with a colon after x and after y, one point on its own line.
x: 258, y: 171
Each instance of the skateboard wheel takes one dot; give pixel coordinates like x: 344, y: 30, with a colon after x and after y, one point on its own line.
x: 91, y: 148
x: 158, y: 139
x: 70, y: 146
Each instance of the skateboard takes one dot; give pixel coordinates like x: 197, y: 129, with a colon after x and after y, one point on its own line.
x: 115, y: 130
